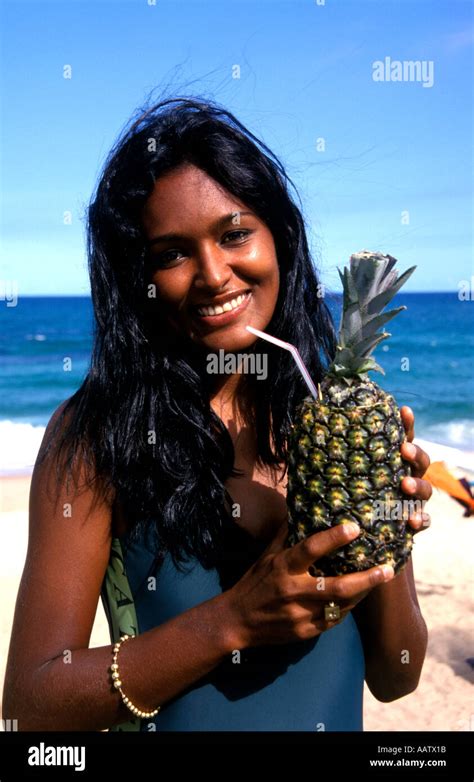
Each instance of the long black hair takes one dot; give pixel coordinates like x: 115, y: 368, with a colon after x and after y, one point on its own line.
x: 142, y: 415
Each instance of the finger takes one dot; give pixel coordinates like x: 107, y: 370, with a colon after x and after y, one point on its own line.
x: 417, y: 487
x: 347, y: 588
x: 408, y: 419
x: 303, y: 554
x: 324, y: 624
x: 419, y: 521
x: 417, y: 457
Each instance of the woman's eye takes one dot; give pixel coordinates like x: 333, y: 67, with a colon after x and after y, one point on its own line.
x: 165, y: 257
x: 236, y: 233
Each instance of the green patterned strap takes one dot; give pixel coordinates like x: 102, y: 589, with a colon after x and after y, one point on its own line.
x: 119, y: 607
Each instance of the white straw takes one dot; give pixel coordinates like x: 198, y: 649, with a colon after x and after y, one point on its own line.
x: 293, y: 351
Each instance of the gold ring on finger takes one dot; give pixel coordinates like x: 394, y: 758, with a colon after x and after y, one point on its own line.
x: 332, y: 612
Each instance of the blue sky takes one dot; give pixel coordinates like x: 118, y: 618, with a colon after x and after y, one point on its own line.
x: 394, y: 169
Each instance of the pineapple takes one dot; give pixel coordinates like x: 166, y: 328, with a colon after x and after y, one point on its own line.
x: 344, y: 461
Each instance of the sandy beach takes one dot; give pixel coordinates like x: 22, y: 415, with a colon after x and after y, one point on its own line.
x: 444, y: 575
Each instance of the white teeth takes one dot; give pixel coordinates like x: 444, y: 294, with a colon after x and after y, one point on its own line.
x: 227, y: 307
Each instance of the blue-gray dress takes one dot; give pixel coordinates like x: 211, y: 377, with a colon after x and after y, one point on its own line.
x: 313, y: 685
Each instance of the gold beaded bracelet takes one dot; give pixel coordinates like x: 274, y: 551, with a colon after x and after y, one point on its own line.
x: 118, y: 684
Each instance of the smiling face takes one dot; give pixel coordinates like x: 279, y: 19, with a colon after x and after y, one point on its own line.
x: 218, y: 271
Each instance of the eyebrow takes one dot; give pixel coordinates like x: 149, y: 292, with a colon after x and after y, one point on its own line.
x: 173, y: 237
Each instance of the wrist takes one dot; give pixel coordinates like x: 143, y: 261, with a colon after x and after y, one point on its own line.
x: 230, y: 622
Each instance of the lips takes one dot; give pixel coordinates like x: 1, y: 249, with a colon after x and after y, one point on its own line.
x: 227, y: 306
x: 223, y: 311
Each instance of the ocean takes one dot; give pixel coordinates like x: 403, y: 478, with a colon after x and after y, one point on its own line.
x: 45, y: 347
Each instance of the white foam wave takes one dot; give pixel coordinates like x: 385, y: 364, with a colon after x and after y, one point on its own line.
x: 456, y: 434
x: 453, y: 443
x: 19, y: 446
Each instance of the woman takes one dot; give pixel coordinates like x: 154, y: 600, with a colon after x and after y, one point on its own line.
x: 176, y: 514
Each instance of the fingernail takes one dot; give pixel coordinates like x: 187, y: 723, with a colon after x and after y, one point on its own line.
x: 387, y: 572
x: 410, y: 483
x: 410, y: 450
x: 352, y: 530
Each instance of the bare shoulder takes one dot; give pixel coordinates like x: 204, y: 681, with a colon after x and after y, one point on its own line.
x: 51, y: 474
x: 66, y: 501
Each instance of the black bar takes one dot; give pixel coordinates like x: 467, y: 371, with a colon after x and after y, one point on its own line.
x: 444, y: 755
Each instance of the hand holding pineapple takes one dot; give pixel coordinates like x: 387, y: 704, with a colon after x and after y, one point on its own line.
x: 277, y: 600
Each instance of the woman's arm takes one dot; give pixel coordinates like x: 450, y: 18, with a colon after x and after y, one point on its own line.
x: 393, y: 632
x: 53, y: 681
x: 394, y: 637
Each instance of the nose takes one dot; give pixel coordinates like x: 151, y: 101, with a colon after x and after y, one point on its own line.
x: 213, y: 271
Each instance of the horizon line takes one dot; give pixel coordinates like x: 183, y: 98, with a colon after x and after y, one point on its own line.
x: 88, y: 295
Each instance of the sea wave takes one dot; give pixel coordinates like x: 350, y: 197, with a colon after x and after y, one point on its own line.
x: 19, y: 446
x: 20, y: 442
x: 457, y: 434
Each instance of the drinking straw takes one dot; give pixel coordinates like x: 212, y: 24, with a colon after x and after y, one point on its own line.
x: 294, y: 352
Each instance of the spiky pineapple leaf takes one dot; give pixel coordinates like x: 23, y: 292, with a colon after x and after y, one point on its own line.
x: 351, y: 314
x: 372, y: 326
x: 368, y: 273
x: 367, y: 345
x: 368, y: 364
x: 379, y: 302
